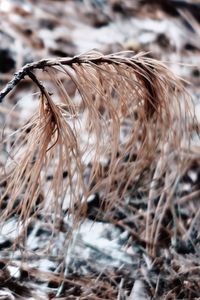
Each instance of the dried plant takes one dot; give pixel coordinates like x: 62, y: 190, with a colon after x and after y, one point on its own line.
x: 128, y: 113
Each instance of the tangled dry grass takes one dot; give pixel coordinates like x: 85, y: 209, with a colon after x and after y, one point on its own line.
x: 109, y: 91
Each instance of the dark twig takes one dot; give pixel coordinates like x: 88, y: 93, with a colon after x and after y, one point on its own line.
x: 20, y: 76
x: 96, y: 58
x: 11, y: 84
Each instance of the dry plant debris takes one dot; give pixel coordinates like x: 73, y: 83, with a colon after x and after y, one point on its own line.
x: 113, y: 90
x: 100, y: 187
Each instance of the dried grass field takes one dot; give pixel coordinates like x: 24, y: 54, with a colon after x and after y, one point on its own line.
x: 99, y: 149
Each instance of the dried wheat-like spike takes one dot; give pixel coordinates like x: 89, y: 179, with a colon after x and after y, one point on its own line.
x: 124, y: 111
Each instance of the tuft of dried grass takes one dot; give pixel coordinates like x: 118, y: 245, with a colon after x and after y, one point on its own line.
x: 128, y: 113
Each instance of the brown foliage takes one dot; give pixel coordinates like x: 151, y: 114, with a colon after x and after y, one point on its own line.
x: 127, y: 114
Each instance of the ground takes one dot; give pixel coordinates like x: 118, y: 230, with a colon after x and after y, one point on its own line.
x: 107, y: 256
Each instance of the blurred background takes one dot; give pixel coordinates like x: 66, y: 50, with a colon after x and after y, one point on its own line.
x: 104, y: 264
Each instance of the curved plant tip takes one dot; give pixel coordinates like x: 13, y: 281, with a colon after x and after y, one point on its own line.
x: 126, y: 113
